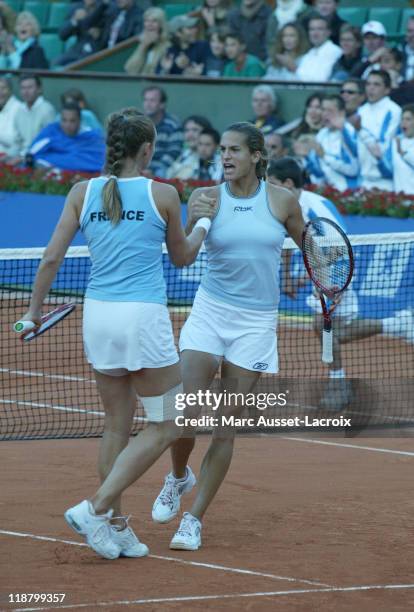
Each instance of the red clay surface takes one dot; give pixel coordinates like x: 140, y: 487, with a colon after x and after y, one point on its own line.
x: 332, y: 515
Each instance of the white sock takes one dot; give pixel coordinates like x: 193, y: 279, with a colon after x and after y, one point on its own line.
x: 184, y: 477
x: 337, y: 373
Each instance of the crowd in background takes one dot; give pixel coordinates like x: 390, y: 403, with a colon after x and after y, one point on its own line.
x: 360, y: 136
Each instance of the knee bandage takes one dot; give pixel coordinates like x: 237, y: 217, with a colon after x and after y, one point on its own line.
x: 160, y: 408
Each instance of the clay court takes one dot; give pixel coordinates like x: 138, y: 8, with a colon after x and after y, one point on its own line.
x: 304, y: 521
x: 298, y: 525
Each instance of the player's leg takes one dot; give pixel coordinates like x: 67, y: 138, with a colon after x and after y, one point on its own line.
x: 157, y: 388
x: 198, y: 370
x: 119, y: 401
x: 216, y: 461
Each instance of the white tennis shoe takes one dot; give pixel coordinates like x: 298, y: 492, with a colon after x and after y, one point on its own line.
x: 95, y: 528
x: 188, y: 536
x: 167, y: 504
x: 405, y: 325
x: 127, y: 541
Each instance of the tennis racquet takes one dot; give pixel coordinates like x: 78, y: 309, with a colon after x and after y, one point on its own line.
x: 329, y: 261
x: 47, y: 321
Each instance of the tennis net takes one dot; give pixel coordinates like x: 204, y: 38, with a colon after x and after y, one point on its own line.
x: 48, y: 389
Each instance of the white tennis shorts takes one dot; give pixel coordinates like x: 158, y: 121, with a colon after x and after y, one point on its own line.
x: 242, y: 336
x: 347, y: 308
x: 121, y: 337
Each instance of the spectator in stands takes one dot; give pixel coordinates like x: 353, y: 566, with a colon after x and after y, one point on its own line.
x: 286, y: 53
x: 216, y: 58
x: 123, y: 19
x: 392, y: 61
x: 264, y: 105
x: 240, y: 63
x: 85, y: 21
x: 374, y: 36
x: 187, y: 55
x: 88, y: 118
x: 24, y: 50
x: 379, y: 121
x: 317, y: 63
x: 328, y: 10
x: 211, y: 14
x: 353, y: 94
x: 277, y: 145
x: 249, y: 21
x: 333, y: 160
x: 186, y: 163
x: 33, y: 115
x: 311, y: 121
x: 152, y: 45
x: 350, y: 41
x: 408, y: 50
x: 210, y: 166
x: 9, y: 107
x: 286, y: 11
x: 399, y: 158
x: 64, y: 145
x: 169, y: 132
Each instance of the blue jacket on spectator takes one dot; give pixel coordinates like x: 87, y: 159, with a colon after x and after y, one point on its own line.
x: 84, y: 152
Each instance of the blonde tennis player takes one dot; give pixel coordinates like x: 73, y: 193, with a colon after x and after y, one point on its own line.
x: 234, y: 316
x: 127, y: 331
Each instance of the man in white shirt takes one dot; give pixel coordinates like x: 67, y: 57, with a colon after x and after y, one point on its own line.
x: 399, y: 158
x: 9, y: 105
x: 379, y: 121
x: 33, y: 115
x: 317, y: 63
x: 334, y: 159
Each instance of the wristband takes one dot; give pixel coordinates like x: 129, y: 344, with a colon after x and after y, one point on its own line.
x: 205, y: 223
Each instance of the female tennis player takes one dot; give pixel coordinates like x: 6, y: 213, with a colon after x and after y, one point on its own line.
x: 234, y: 316
x: 126, y: 327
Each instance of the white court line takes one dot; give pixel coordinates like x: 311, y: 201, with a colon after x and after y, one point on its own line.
x: 340, y: 444
x: 103, y: 604
x: 50, y: 376
x: 222, y: 568
x: 99, y: 413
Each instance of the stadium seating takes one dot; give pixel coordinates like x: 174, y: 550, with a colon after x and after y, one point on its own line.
x: 57, y: 14
x: 389, y: 17
x: 52, y: 45
x: 356, y: 15
x: 406, y: 14
x: 16, y: 5
x: 172, y: 10
x: 39, y: 9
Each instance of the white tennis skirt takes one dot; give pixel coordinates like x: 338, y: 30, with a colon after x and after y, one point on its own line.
x: 127, y: 335
x: 241, y: 336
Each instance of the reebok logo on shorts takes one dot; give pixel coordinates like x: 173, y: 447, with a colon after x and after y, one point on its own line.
x: 259, y: 365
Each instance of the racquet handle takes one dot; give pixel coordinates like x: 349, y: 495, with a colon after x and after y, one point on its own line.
x: 327, y: 354
x: 23, y: 326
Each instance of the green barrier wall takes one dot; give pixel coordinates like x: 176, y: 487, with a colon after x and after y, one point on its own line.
x: 223, y: 102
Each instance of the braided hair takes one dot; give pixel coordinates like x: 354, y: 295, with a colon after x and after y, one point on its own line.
x: 127, y: 131
x: 255, y: 142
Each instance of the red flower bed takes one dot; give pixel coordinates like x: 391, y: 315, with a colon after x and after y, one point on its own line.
x: 358, y: 202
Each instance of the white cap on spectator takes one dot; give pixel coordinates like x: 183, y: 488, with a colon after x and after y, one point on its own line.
x: 181, y: 21
x: 374, y: 27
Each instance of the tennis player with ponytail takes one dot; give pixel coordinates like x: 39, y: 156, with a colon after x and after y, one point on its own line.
x: 128, y: 338
x: 234, y: 316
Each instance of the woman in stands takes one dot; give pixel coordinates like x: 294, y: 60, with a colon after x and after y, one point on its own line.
x: 234, y: 316
x: 127, y: 332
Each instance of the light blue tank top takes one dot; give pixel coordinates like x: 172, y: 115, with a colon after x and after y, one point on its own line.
x: 243, y: 248
x: 126, y: 258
